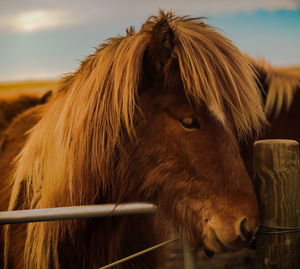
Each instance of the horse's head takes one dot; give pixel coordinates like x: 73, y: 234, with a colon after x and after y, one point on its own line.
x: 186, y: 157
x: 190, y: 165
x: 153, y: 116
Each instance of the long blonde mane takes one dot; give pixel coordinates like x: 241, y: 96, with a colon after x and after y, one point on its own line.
x: 69, y: 157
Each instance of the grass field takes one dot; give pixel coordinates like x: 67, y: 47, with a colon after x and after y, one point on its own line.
x: 28, y: 87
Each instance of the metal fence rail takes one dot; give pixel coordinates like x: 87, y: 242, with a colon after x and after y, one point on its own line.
x: 92, y: 211
x: 74, y: 212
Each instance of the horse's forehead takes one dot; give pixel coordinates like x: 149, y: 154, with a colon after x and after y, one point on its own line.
x: 165, y: 97
x: 183, y: 108
x: 180, y: 106
x: 174, y: 102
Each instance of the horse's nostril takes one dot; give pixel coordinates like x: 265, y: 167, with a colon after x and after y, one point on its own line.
x: 243, y: 230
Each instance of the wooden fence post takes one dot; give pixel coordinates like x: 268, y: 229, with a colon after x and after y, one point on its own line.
x: 277, y: 183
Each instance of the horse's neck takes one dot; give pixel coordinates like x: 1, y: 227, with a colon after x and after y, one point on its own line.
x: 110, y: 239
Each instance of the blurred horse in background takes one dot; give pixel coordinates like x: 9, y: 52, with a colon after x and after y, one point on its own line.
x: 11, y: 107
x: 280, y: 91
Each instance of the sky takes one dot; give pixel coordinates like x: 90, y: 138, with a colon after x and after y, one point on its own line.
x: 44, y: 39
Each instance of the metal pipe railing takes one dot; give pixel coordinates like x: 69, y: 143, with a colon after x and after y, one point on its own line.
x: 74, y: 212
x: 92, y: 211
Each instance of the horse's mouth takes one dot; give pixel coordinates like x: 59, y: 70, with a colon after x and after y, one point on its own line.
x: 220, y: 247
x: 208, y: 252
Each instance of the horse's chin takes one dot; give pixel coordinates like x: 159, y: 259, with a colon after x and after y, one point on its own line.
x: 216, y: 248
x: 223, y: 248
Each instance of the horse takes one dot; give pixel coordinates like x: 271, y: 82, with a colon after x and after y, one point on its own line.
x: 154, y: 115
x: 280, y: 92
x: 11, y: 107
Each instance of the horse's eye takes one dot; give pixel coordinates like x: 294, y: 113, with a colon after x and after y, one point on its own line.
x: 190, y: 123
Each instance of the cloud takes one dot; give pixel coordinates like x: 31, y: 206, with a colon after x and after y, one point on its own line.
x: 214, y: 7
x: 39, y: 15
x: 36, y: 20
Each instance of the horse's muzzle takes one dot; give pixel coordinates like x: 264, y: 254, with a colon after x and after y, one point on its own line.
x: 241, y: 237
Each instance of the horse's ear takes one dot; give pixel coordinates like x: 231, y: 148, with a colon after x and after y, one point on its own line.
x: 160, y: 46
x: 45, y: 98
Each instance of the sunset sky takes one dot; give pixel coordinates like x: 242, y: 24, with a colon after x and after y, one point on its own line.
x: 43, y: 39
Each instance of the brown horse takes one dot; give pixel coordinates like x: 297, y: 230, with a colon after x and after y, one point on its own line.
x: 151, y: 116
x: 280, y: 90
x: 11, y: 107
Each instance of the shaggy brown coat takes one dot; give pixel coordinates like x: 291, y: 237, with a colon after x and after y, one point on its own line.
x: 112, y: 133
